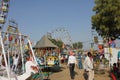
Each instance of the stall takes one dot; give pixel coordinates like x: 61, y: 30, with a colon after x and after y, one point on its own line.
x: 47, y: 55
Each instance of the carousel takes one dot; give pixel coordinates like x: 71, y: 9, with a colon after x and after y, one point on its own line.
x: 47, y: 52
x: 47, y: 56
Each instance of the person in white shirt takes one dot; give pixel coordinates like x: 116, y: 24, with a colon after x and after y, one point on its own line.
x: 30, y: 66
x: 88, y: 66
x: 71, y: 63
x: 15, y: 62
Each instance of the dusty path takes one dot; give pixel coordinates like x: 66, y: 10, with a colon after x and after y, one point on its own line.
x: 64, y: 74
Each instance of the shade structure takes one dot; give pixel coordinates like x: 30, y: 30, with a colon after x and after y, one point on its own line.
x: 44, y: 42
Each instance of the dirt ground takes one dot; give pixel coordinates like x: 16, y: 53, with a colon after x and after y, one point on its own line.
x: 63, y: 74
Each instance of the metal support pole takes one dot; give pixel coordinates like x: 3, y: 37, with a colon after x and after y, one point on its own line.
x: 3, y: 52
x: 21, y: 51
x: 35, y: 59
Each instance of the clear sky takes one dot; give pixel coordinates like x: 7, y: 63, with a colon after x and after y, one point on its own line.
x: 37, y: 17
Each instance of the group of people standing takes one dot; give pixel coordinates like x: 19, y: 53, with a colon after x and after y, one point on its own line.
x: 88, y: 65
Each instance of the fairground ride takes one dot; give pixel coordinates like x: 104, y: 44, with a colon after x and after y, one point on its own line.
x: 4, y: 8
x: 12, y: 42
x: 61, y: 33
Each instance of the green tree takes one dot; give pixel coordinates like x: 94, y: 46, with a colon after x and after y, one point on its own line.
x: 106, y: 20
x: 59, y: 43
x: 74, y: 45
x: 77, y: 45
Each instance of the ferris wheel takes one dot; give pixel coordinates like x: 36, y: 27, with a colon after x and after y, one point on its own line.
x: 4, y: 7
x: 62, y: 34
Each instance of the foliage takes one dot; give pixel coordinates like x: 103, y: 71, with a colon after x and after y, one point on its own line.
x: 106, y: 20
x: 77, y: 45
x: 59, y: 43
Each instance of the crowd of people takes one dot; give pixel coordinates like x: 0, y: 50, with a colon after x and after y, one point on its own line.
x: 88, y: 61
x: 79, y: 60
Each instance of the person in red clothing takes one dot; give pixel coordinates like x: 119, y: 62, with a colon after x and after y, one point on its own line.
x: 113, y: 76
x: 115, y: 67
x: 114, y: 73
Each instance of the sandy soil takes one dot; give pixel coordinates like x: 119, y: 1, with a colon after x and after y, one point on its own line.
x: 63, y: 74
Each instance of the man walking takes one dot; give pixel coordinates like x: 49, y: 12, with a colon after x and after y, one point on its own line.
x: 88, y: 63
x: 71, y: 63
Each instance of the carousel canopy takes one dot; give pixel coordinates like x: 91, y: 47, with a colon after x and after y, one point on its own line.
x: 44, y: 42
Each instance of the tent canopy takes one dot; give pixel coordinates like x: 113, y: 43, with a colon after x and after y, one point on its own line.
x: 44, y: 42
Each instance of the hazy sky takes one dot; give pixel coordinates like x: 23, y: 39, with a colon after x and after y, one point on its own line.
x: 37, y: 17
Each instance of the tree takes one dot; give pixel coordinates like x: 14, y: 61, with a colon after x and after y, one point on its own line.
x: 59, y: 43
x: 77, y: 45
x: 106, y: 20
x: 74, y: 45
